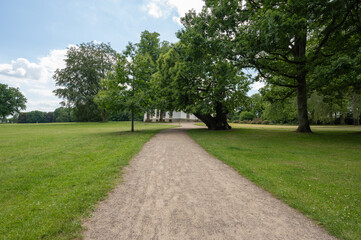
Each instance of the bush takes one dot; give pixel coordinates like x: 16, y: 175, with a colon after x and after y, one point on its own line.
x: 245, y: 121
x: 265, y: 122
x: 235, y: 121
x: 246, y: 116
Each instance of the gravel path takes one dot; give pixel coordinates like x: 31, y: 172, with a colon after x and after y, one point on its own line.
x: 173, y: 189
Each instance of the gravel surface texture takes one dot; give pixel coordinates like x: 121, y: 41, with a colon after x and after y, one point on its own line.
x: 173, y: 189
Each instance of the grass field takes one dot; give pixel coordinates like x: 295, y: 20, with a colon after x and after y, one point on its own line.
x: 319, y: 174
x: 51, y: 175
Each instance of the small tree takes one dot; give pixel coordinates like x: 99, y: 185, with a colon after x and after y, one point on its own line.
x: 123, y: 86
x: 11, y: 101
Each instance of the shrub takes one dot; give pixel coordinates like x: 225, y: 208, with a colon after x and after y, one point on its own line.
x: 245, y: 121
x: 265, y: 122
x: 246, y: 116
x: 235, y: 121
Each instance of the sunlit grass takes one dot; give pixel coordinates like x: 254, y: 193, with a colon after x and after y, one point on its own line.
x: 319, y: 174
x: 51, y: 175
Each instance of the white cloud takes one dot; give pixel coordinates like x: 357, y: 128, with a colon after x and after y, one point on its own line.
x: 257, y: 86
x: 22, y: 68
x: 40, y: 105
x: 154, y: 9
x: 42, y: 91
x: 54, y: 60
x: 160, y: 8
x: 35, y: 79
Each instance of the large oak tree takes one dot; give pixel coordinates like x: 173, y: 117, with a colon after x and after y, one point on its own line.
x: 284, y: 40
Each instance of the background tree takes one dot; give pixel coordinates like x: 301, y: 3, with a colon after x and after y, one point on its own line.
x: 63, y: 114
x: 123, y: 86
x: 284, y: 40
x: 203, y: 82
x: 257, y: 104
x: 127, y: 86
x: 79, y: 81
x: 11, y: 101
x: 162, y: 85
x: 246, y: 116
x: 151, y: 46
x: 281, y: 112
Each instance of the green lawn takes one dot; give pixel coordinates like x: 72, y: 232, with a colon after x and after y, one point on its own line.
x: 319, y: 174
x: 51, y: 175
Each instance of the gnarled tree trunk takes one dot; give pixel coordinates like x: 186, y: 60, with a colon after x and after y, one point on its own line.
x: 219, y: 122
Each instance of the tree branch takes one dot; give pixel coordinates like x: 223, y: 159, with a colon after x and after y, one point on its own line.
x: 330, y: 29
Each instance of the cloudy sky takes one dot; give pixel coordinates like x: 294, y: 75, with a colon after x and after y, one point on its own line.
x: 35, y: 35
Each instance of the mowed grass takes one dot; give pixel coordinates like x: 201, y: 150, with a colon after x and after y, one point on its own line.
x: 51, y: 175
x: 318, y: 174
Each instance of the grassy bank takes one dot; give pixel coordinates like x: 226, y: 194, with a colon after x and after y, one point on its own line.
x: 51, y: 175
x: 319, y: 174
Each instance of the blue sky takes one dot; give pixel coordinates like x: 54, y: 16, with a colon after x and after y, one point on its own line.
x: 36, y: 33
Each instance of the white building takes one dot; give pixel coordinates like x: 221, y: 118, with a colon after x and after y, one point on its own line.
x: 171, y: 117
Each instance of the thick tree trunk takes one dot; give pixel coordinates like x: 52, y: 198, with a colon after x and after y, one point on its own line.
x: 302, y: 113
x: 219, y: 122
x: 300, y: 55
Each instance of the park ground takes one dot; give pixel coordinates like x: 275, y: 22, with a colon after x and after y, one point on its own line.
x: 318, y: 174
x: 52, y: 175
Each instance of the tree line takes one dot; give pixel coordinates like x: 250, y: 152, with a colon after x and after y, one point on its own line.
x: 62, y: 114
x: 306, y: 52
x: 259, y: 110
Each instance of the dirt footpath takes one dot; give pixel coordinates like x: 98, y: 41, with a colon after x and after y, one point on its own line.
x: 173, y: 189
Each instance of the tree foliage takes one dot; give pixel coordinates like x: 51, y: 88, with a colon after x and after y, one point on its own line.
x: 127, y: 86
x: 79, y: 81
x: 64, y: 114
x: 11, y: 101
x: 286, y: 41
x: 246, y: 116
x: 194, y: 76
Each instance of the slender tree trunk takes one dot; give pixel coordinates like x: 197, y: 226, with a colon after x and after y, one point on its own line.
x: 68, y: 110
x: 132, y: 113
x: 300, y: 55
x: 219, y: 122
x: 104, y: 115
x: 355, y: 110
x: 132, y: 116
x: 161, y: 114
x: 332, y: 119
x: 342, y: 119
